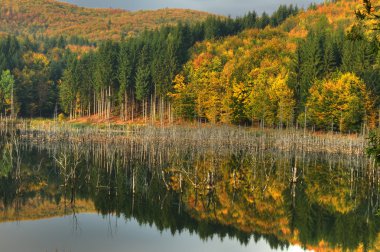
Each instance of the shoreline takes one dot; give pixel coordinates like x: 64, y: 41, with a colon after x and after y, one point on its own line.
x: 202, y: 135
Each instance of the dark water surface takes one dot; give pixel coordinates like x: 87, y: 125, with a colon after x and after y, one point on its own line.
x: 144, y: 197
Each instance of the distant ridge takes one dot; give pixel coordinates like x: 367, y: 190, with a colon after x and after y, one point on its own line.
x: 53, y: 18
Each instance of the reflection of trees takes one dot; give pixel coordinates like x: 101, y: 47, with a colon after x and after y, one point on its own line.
x: 332, y: 205
x: 329, y: 204
x: 285, y: 198
x: 31, y: 187
x: 10, y: 173
x: 315, y: 223
x: 247, y: 197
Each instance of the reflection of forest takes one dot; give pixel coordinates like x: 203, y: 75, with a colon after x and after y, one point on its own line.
x: 322, y: 202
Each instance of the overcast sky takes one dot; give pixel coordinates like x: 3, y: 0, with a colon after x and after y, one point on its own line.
x: 224, y: 7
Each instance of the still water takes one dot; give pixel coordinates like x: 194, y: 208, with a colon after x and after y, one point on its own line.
x: 96, y: 233
x: 143, y: 197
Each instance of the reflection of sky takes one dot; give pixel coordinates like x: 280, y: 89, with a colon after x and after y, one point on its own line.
x: 97, y: 234
x: 224, y: 7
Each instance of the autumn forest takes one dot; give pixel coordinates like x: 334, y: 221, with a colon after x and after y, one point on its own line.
x: 316, y: 67
x: 178, y: 129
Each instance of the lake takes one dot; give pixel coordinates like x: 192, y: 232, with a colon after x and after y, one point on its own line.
x: 84, y: 195
x: 97, y: 233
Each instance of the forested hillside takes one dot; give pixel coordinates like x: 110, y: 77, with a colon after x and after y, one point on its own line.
x: 319, y: 73
x: 316, y: 68
x: 53, y: 18
x: 125, y: 79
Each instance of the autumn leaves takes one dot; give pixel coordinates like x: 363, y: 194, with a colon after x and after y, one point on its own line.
x: 245, y: 79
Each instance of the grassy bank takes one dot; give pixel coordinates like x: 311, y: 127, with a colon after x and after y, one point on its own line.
x: 202, y: 136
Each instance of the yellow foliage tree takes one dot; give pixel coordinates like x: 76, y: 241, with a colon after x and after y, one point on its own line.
x: 341, y: 103
x: 270, y: 101
x: 240, y: 79
x: 282, y: 98
x: 183, y: 98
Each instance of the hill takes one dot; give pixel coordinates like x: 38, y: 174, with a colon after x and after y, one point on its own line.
x: 256, y: 70
x: 338, y: 14
x: 270, y: 77
x: 53, y: 18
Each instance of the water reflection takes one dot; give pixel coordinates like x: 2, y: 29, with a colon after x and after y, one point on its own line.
x: 317, y: 201
x: 131, y: 236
